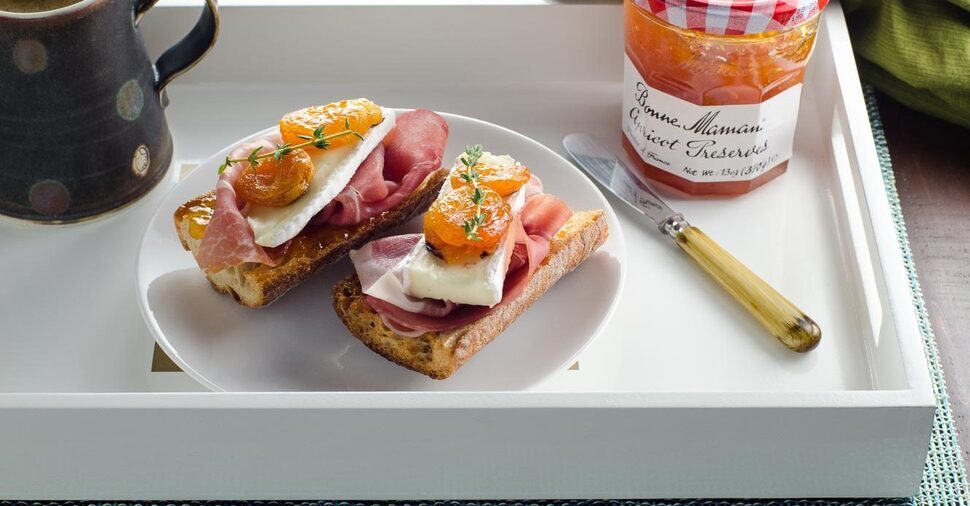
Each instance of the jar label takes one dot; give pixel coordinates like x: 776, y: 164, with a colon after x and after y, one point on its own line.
x: 708, y: 143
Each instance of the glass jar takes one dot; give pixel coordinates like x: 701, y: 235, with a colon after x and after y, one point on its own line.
x: 712, y: 87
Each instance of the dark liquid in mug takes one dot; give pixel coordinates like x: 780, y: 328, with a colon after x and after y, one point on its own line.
x: 34, y: 5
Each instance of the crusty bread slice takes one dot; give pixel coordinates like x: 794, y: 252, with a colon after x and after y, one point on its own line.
x: 257, y: 285
x: 440, y: 354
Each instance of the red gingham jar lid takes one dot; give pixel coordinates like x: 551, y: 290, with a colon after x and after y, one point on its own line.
x: 733, y: 17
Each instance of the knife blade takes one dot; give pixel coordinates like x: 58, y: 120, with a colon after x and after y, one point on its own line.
x: 783, y: 319
x: 615, y: 176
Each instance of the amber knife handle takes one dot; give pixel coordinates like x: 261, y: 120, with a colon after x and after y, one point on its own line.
x: 782, y: 318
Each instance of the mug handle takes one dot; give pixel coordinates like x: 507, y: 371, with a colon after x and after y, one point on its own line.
x: 187, y: 52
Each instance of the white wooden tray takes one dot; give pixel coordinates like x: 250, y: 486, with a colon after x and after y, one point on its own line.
x: 680, y: 396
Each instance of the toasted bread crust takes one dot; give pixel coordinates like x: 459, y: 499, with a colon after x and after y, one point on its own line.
x: 257, y: 285
x: 439, y: 354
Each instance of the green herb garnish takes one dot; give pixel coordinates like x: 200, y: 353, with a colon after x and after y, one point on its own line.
x: 318, y: 140
x: 469, y: 160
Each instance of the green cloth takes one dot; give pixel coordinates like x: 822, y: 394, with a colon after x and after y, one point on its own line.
x: 917, y: 51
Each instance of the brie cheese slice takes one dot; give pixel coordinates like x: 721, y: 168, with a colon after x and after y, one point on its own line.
x: 480, y: 283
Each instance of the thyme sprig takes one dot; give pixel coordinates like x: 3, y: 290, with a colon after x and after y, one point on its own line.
x: 472, y: 155
x: 318, y: 140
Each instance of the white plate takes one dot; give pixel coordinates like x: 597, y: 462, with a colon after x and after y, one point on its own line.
x: 297, y: 343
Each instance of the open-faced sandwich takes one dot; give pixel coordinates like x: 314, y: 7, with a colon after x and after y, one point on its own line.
x: 331, y: 179
x: 493, y: 243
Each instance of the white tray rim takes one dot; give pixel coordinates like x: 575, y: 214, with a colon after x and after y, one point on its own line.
x: 68, y: 445
x: 918, y: 394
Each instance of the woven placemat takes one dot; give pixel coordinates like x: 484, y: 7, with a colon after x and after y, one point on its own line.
x: 944, y: 478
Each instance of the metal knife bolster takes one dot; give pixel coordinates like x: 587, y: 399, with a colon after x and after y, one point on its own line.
x: 674, y: 225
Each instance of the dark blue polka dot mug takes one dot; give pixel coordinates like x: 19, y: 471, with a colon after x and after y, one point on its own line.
x: 82, y: 126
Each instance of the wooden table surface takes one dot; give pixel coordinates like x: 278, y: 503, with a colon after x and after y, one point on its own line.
x: 931, y: 160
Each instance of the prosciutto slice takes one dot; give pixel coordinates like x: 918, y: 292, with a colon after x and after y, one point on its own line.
x: 542, y: 216
x: 366, y: 187
x: 378, y: 257
x: 411, y: 151
x: 416, y: 144
x: 375, y: 258
x: 228, y: 240
x: 540, y: 219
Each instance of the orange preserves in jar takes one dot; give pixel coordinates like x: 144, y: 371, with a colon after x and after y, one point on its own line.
x: 712, y: 88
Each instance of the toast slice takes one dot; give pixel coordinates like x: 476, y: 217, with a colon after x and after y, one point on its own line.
x: 440, y: 354
x: 257, y: 285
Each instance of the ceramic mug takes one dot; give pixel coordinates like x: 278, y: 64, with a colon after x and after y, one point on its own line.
x: 82, y: 126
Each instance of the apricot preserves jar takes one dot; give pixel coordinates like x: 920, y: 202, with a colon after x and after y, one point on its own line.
x: 712, y: 87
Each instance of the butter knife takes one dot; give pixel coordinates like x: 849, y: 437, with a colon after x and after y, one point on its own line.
x: 782, y: 318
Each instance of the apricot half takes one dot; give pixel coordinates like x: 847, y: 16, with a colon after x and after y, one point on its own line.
x: 360, y: 113
x: 504, y: 179
x: 276, y: 183
x: 446, y: 224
